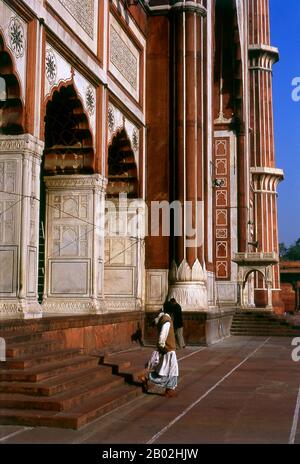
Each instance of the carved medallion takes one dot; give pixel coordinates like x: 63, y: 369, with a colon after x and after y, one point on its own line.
x: 16, y: 37
x: 51, y: 66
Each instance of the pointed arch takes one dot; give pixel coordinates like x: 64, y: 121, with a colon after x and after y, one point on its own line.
x: 122, y: 169
x: 256, y: 272
x: 68, y: 137
x: 11, y: 106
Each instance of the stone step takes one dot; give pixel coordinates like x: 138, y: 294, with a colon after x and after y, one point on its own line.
x: 31, y: 361
x: 273, y: 326
x: 20, y: 337
x: 259, y: 320
x: 262, y: 324
x: 56, y: 384
x: 264, y: 332
x: 33, y: 347
x: 114, y: 363
x: 254, y: 334
x: 76, y: 417
x: 62, y: 401
x: 40, y: 373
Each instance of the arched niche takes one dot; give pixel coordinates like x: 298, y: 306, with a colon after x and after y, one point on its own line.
x: 11, y: 106
x: 122, y: 169
x: 68, y: 138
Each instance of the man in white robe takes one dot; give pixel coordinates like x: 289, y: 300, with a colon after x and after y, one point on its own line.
x: 166, y: 372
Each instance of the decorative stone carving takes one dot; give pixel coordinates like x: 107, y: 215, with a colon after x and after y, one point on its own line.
x: 117, y: 121
x: 51, y: 66
x: 123, y: 59
x: 16, y: 37
x: 189, y: 285
x: 135, y: 140
x: 192, y: 296
x: 90, y: 99
x: 73, y: 306
x: 184, y: 273
x: 118, y: 304
x: 82, y: 12
x: 111, y: 118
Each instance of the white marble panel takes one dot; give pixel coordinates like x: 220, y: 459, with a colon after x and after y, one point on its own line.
x: 156, y: 286
x: 69, y: 278
x: 119, y: 281
x: 8, y: 271
x: 32, y: 271
x: 226, y: 292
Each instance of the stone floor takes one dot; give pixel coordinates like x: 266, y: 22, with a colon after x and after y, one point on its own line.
x: 244, y: 390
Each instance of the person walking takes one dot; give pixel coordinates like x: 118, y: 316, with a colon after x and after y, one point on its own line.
x: 166, y: 372
x: 176, y: 311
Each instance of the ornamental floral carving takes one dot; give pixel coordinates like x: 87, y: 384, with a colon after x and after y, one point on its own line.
x: 135, y: 140
x: 111, y: 119
x: 90, y: 99
x: 51, y: 66
x: 16, y: 37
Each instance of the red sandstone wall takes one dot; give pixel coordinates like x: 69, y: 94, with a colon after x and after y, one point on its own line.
x: 288, y: 296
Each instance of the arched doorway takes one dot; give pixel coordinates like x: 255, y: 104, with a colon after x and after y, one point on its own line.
x: 124, y: 251
x: 11, y: 106
x: 250, y: 282
x: 68, y: 150
x: 70, y: 270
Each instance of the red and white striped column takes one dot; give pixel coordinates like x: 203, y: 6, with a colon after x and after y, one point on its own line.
x: 265, y: 176
x: 187, y: 274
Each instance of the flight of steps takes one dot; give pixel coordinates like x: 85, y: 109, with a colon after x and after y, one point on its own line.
x: 262, y: 323
x: 44, y: 384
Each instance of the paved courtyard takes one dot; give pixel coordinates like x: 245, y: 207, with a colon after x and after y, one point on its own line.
x: 244, y: 390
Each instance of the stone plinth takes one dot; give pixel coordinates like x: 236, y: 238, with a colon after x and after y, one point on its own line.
x: 74, y: 257
x: 20, y: 158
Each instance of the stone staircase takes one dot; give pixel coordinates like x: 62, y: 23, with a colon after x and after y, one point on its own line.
x: 44, y: 384
x: 264, y: 324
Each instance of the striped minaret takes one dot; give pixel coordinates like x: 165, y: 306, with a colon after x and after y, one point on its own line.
x: 265, y: 176
x: 187, y: 275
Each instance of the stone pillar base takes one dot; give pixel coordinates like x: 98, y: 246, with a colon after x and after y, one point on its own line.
x: 192, y: 296
x: 20, y: 309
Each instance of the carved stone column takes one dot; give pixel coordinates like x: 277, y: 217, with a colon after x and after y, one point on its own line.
x: 20, y: 158
x: 74, y: 244
x: 187, y: 275
x: 265, y: 176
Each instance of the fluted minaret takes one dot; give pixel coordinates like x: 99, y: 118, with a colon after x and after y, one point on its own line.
x: 187, y: 275
x: 265, y: 177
